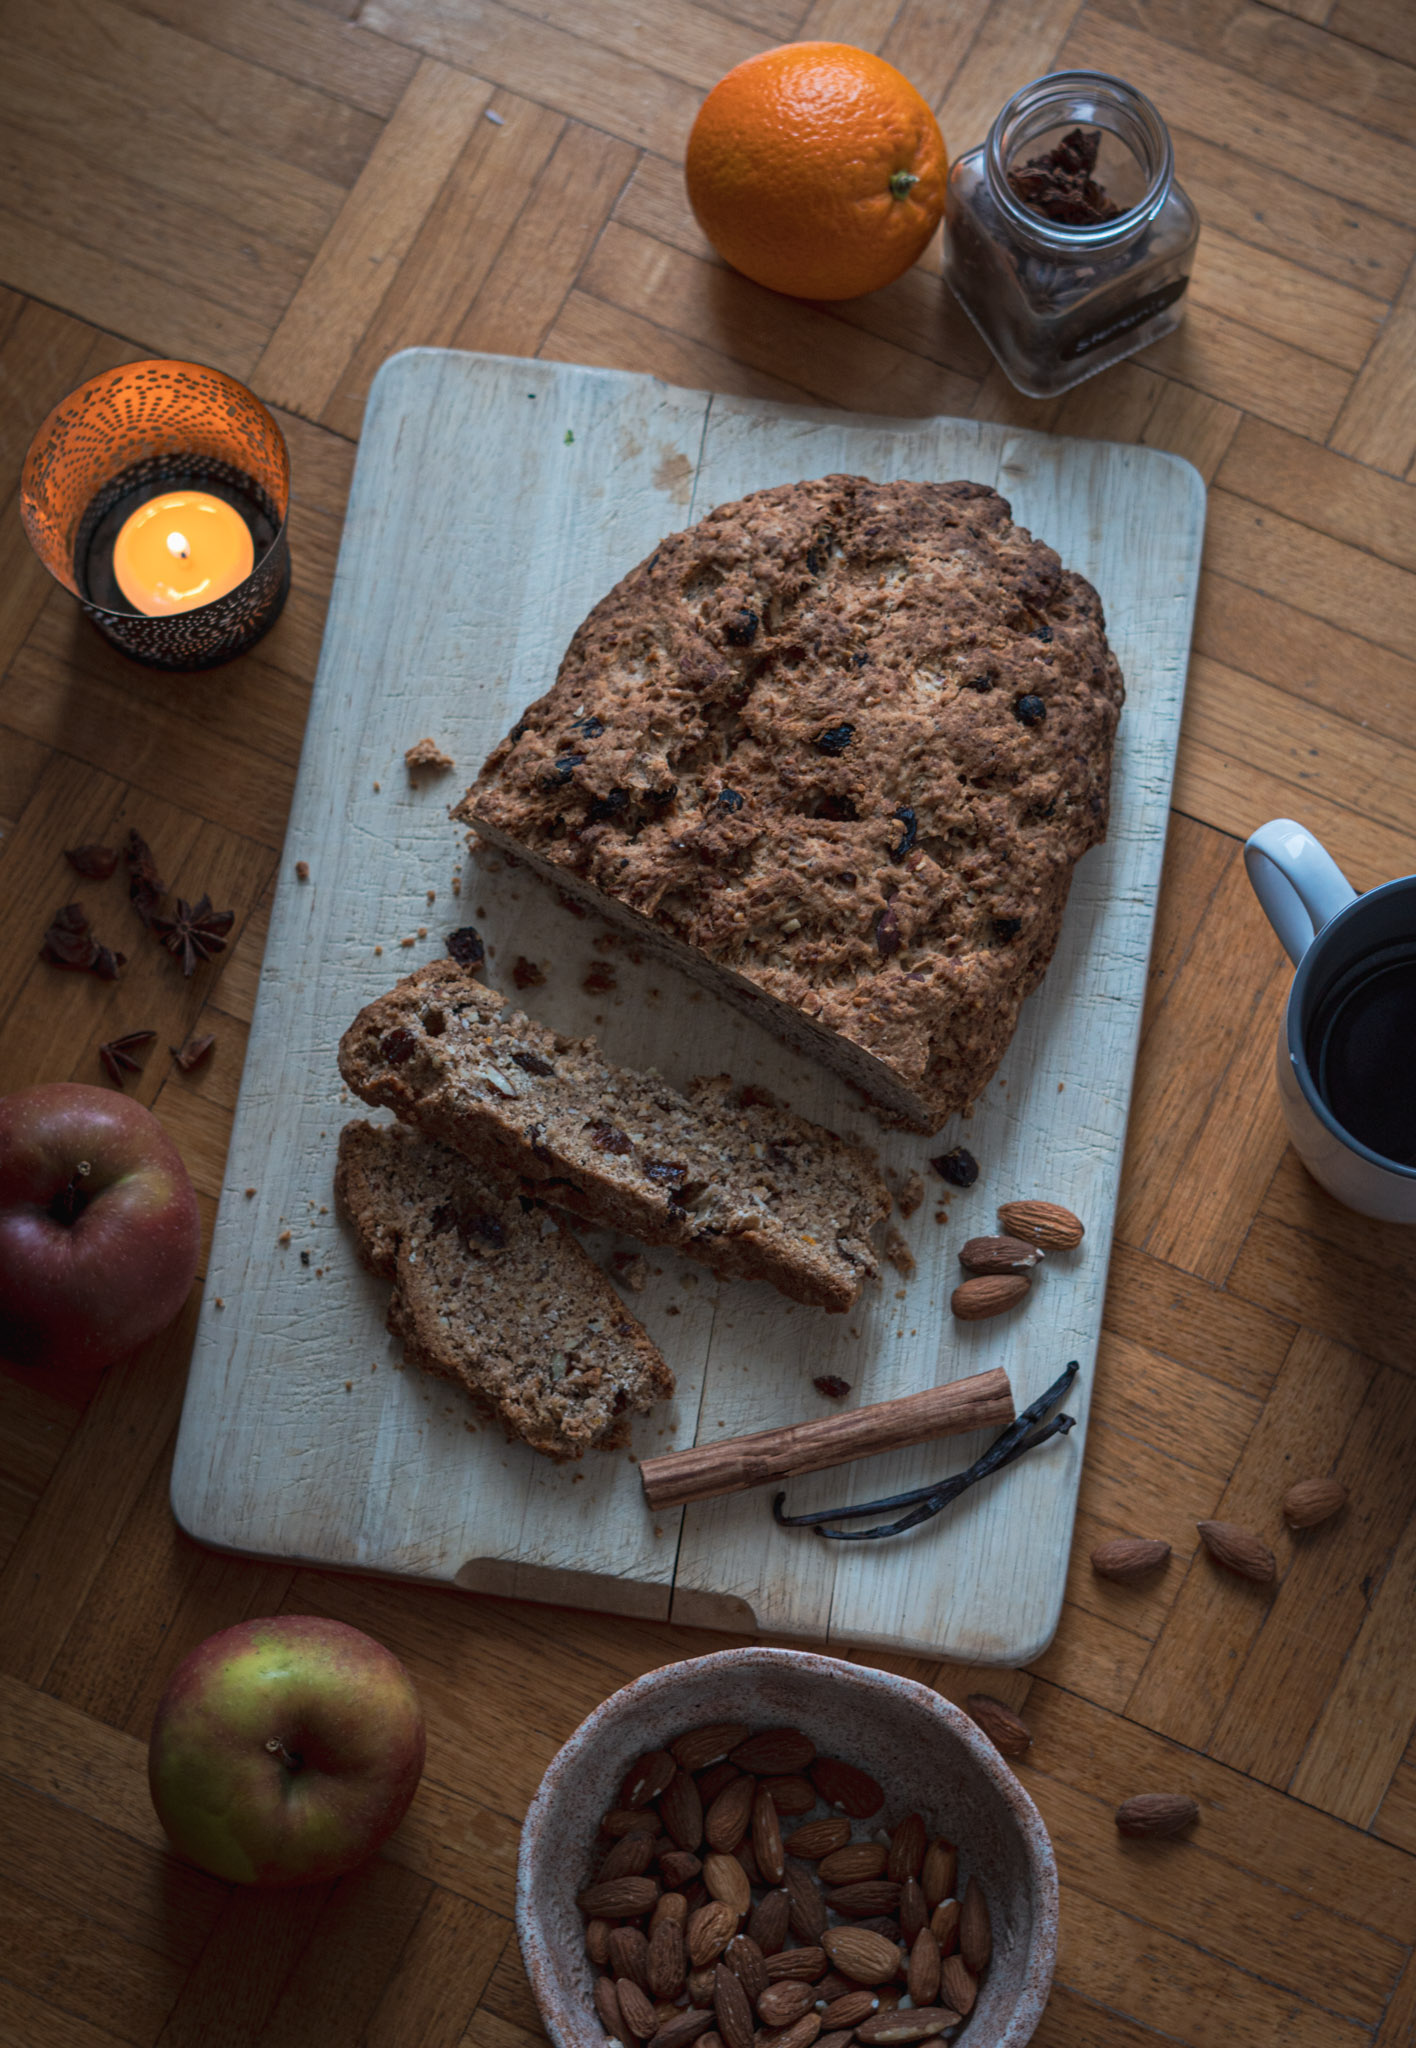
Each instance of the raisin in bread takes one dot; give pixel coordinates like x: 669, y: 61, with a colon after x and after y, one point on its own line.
x: 495, y: 1295
x: 755, y: 1193
x: 835, y: 750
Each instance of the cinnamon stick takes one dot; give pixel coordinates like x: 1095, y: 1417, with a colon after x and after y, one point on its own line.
x: 706, y: 1470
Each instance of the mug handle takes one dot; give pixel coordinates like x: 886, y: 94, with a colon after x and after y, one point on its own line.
x: 1298, y: 883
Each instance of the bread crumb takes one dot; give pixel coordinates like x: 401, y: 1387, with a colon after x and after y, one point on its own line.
x: 349, y: 1386
x: 218, y: 1303
x: 284, y: 1237
x: 909, y: 1194
x: 1060, y: 1086
x: 631, y: 1268
x: 408, y: 942
x: 426, y: 753
x: 377, y: 951
x: 302, y: 871
x: 249, y: 1193
x: 525, y: 973
x: 377, y: 787
x: 457, y: 885
x: 432, y: 895
x: 422, y: 931
x: 599, y: 981
x: 753, y: 1097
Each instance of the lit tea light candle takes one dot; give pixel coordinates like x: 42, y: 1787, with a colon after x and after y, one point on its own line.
x: 181, y: 550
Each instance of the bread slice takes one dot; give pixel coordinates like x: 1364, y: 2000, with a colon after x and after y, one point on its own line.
x: 756, y: 1193
x: 835, y: 751
x: 492, y: 1293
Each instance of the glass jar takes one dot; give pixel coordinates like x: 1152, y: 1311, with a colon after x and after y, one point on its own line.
x: 1056, y: 301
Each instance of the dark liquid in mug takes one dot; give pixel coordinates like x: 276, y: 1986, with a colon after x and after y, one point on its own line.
x: 1362, y: 1053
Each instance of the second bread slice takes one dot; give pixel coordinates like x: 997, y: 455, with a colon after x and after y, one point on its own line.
x: 755, y: 1193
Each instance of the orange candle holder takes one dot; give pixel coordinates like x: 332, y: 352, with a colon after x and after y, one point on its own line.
x: 120, y: 440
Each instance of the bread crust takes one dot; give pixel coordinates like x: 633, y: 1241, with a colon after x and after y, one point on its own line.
x: 837, y: 749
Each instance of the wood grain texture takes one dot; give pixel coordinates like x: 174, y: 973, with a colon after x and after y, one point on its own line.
x: 207, y: 179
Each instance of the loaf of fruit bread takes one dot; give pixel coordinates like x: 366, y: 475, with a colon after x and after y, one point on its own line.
x: 756, y: 1193
x: 494, y: 1294
x: 835, y: 750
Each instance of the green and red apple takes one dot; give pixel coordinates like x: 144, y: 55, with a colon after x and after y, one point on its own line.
x: 99, y: 1230
x: 285, y: 1750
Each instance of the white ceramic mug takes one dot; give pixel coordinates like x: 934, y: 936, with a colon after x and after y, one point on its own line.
x: 1338, y: 941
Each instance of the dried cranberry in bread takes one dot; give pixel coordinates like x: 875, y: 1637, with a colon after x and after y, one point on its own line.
x: 495, y: 1295
x: 835, y: 750
x: 756, y: 1193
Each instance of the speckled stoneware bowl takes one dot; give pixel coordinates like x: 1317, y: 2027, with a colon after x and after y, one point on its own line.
x: 926, y: 1753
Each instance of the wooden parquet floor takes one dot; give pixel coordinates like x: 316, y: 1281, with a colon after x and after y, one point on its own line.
x: 291, y: 189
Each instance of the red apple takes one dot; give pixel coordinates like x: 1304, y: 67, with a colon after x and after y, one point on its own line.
x: 99, y: 1231
x: 284, y: 1751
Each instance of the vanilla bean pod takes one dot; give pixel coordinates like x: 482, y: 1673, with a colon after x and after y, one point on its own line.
x: 928, y: 1501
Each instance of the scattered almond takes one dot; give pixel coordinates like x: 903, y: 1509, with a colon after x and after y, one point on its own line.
x: 708, y: 1745
x: 1046, y: 1224
x: 783, y: 2004
x: 999, y: 1255
x: 868, y: 1900
x: 732, y: 2008
x: 1128, y: 1558
x: 1156, y: 1813
x: 1238, y: 1550
x: 856, y: 1860
x: 924, y: 1975
x: 958, y: 1985
x: 1009, y: 1734
x: 849, y: 2009
x: 637, y: 2008
x: 621, y: 1898
x: 727, y: 1880
x: 1312, y: 1501
x: 727, y: 1819
x: 710, y: 1929
x: 816, y: 1838
x: 861, y: 1954
x: 990, y: 1294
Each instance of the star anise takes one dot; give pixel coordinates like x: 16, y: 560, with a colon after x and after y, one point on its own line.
x: 117, y: 1055
x: 146, y: 887
x: 192, y: 1053
x: 70, y: 942
x: 197, y: 932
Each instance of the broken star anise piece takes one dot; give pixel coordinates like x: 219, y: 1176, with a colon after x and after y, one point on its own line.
x: 95, y: 863
x: 193, y: 1052
x: 197, y: 932
x: 117, y: 1054
x: 69, y: 941
x: 146, y: 887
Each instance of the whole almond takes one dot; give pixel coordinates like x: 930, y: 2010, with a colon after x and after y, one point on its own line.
x: 800, y: 2034
x: 975, y: 1928
x: 709, y: 1931
x: 622, y: 1898
x: 1128, y: 1558
x: 1046, y: 1224
x: 597, y: 1942
x: 727, y: 1880
x: 667, y: 1960
x: 646, y: 1778
x: 726, y: 1820
x: 815, y: 1838
x: 958, y: 1985
x: 912, y: 2023
x: 923, y: 1976
x: 807, y: 1914
x: 773, y: 1751
x: 944, y: 1925
x: 808, y: 1964
x: 1311, y: 1501
x: 860, y: 1901
x: 732, y: 2008
x: 941, y: 1863
x: 990, y: 1294
x: 707, y: 1745
x: 747, y: 1858
x: 791, y: 1794
x: 677, y: 1867
x: 844, y: 1785
x: 748, y: 1964
x: 627, y: 1820
x: 637, y: 2008
x: 770, y: 1919
x: 712, y: 1781
x: 782, y: 2004
x: 689, y: 2025
x: 629, y: 1956
x: 671, y: 1906
x: 666, y: 2009
x: 856, y: 1860
x: 1238, y: 1550
x: 849, y: 2009
x: 999, y: 1255
x: 767, y: 1837
x: 907, y: 1846
x: 913, y: 1912
x: 630, y: 1856
x: 840, y: 2039
x: 1156, y: 1813
x: 681, y: 1810
x: 607, y: 2005
x: 860, y: 1954
x: 700, y: 1984
x: 1007, y: 1731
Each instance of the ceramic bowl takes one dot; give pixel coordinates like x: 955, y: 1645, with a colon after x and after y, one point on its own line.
x: 927, y: 1754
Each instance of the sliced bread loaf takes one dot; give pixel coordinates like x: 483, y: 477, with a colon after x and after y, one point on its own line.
x: 496, y: 1295
x: 755, y: 1193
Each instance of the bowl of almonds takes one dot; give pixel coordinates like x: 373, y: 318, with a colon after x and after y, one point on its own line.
x: 773, y: 1849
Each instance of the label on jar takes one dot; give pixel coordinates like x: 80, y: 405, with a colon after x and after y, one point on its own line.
x: 1134, y: 316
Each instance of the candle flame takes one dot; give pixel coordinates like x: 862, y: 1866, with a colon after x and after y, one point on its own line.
x: 178, y: 544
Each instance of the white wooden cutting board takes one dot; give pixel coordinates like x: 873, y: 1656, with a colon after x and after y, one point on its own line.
x: 495, y: 500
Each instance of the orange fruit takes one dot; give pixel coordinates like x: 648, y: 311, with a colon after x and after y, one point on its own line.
x: 817, y: 169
